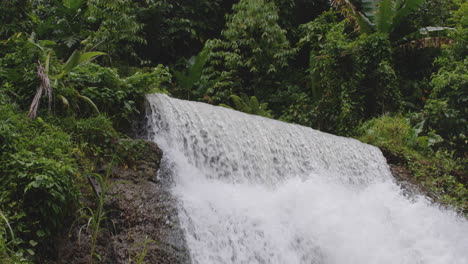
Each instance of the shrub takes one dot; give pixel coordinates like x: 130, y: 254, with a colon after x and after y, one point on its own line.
x: 396, y: 134
x: 352, y: 79
x: 18, y: 58
x: 446, y: 111
x: 37, y: 171
x: 439, y: 172
x: 250, y: 55
x: 98, y: 143
x: 120, y: 98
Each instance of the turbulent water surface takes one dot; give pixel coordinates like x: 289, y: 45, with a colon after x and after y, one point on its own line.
x: 256, y: 190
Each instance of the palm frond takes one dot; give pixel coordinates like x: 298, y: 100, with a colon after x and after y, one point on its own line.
x: 76, y: 59
x: 64, y: 100
x: 89, y: 56
x: 384, y: 16
x: 3, y: 217
x: 71, y: 63
x: 405, y: 9
x: 90, y: 102
x: 369, y: 9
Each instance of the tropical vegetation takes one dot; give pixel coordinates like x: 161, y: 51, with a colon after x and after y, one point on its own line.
x: 73, y: 75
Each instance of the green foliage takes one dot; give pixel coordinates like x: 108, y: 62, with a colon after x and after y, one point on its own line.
x: 60, y: 21
x: 352, y: 79
x: 7, y: 253
x: 98, y: 142
x: 335, y: 79
x: 438, y: 172
x: 18, y: 57
x: 443, y: 177
x: 37, y: 171
x: 120, y: 98
x: 381, y: 15
x: 250, y: 56
x: 446, y: 111
x: 73, y: 4
x: 12, y: 17
x: 20, y: 70
x: 140, y: 256
x: 194, y: 72
x: 60, y: 84
x: 398, y: 135
x: 95, y: 217
x: 117, y: 27
x: 314, y: 33
x: 78, y: 58
x: 249, y: 106
x: 459, y: 15
x: 102, y: 85
x: 148, y: 80
x: 179, y: 28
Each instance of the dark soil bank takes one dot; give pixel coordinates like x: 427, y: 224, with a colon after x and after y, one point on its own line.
x: 141, y: 222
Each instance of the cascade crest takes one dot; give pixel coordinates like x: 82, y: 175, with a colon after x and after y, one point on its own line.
x: 256, y: 190
x: 238, y: 147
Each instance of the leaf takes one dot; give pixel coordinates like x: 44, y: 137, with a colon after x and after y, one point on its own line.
x: 408, y: 7
x: 71, y: 63
x: 72, y: 4
x: 384, y: 16
x: 187, y: 81
x: 226, y: 106
x: 76, y: 59
x: 89, y: 56
x: 369, y: 9
x: 47, y: 62
x: 47, y: 43
x: 90, y: 102
x: 3, y: 217
x: 239, y: 104
x: 71, y: 40
x: 254, y: 105
x: 364, y: 23
x: 195, y: 70
x: 64, y: 100
x: 182, y: 79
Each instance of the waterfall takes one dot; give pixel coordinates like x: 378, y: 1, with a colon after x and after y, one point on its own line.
x: 257, y: 190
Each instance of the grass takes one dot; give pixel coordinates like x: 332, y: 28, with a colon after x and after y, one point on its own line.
x: 140, y: 256
x: 94, y: 218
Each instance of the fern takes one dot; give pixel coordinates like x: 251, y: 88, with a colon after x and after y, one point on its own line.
x: 249, y: 105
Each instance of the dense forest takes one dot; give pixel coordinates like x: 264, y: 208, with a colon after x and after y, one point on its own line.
x: 74, y: 74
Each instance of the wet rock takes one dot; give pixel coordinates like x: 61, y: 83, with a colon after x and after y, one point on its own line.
x: 141, y: 220
x: 406, y: 180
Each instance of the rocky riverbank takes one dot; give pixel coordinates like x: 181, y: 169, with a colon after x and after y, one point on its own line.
x: 141, y: 221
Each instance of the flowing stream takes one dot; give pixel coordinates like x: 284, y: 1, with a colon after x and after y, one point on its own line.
x: 256, y: 190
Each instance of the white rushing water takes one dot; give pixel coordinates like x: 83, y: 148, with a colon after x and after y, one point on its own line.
x: 256, y: 190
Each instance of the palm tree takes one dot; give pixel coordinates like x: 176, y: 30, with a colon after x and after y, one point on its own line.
x: 384, y: 16
x: 377, y: 15
x: 48, y: 82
